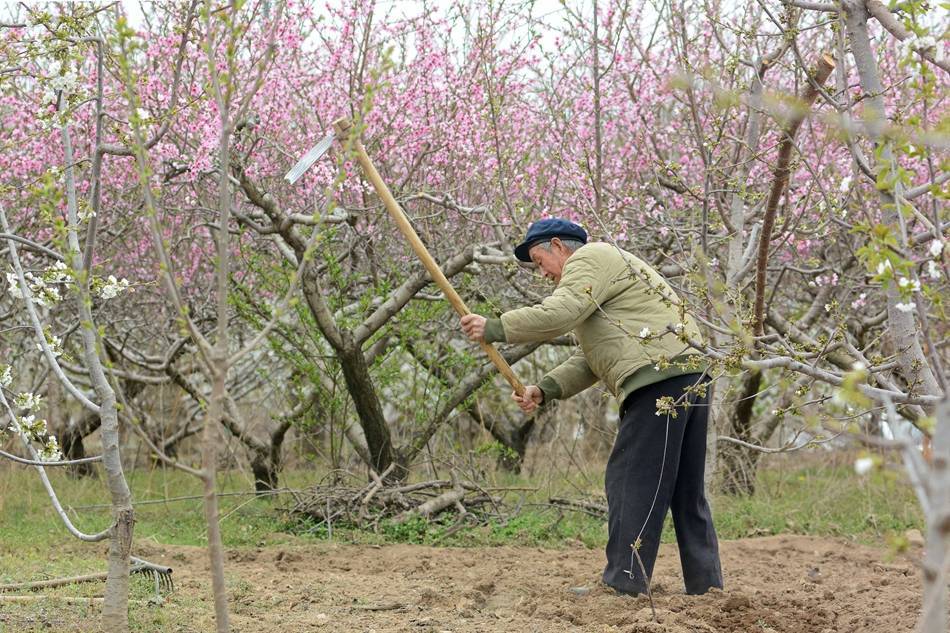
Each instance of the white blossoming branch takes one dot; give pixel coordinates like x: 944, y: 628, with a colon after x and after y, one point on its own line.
x: 40, y: 333
x: 40, y: 462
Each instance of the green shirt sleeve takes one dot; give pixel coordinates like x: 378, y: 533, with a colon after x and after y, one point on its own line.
x: 494, y: 331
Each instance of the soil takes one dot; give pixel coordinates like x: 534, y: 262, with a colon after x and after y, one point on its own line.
x: 779, y: 584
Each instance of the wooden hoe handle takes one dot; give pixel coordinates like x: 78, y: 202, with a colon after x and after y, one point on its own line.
x: 342, y: 127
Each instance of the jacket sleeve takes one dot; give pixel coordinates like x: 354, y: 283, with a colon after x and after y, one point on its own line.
x: 576, y: 297
x: 567, y: 379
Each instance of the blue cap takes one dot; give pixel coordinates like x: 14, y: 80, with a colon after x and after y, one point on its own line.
x: 546, y: 229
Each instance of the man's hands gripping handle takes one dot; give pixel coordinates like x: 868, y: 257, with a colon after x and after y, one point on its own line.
x: 474, y: 327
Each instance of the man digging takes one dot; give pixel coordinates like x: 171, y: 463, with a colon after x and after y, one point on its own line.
x: 627, y: 321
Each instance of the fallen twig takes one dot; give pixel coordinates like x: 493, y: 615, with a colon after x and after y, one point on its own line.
x: 68, y: 599
x: 589, y: 507
x: 433, y: 506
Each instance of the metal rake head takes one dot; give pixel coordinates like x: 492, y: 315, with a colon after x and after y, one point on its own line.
x: 161, y: 574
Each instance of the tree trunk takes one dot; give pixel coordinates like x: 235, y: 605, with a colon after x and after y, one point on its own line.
x: 265, y: 473
x: 356, y: 374
x: 71, y: 439
x: 209, y: 456
x: 510, y: 436
x: 934, y: 616
x: 738, y: 464
x: 359, y: 384
x: 901, y: 326
x: 73, y: 434
x: 736, y: 269
x: 265, y: 465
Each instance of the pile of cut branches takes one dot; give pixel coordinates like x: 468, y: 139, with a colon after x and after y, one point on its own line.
x: 342, y: 503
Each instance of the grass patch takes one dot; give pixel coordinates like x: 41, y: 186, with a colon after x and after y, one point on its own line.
x: 793, y: 496
x: 816, y: 499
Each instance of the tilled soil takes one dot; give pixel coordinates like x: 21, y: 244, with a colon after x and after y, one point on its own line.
x: 780, y: 584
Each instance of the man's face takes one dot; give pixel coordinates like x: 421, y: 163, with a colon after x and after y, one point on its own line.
x: 550, y: 262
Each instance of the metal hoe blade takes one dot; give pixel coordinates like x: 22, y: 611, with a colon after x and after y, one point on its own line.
x: 309, y: 158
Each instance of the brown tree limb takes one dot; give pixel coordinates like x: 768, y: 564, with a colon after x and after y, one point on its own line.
x: 779, y: 182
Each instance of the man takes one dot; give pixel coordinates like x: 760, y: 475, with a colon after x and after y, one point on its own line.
x: 631, y: 328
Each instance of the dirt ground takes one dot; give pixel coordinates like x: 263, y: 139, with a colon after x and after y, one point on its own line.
x: 781, y: 584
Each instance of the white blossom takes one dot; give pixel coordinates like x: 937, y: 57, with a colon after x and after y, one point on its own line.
x: 27, y: 400
x: 884, y: 266
x: 678, y: 328
x: 113, y: 287
x: 933, y: 271
x: 918, y: 43
x: 6, y: 376
x: 66, y: 82
x: 858, y: 366
x: 912, y: 284
x: 142, y: 114
x: 936, y: 247
x: 28, y: 426
x: 905, y: 307
x: 54, y: 343
x: 58, y: 273
x: 863, y: 465
x: 845, y: 185
x: 50, y: 451
x: 17, y: 425
x: 645, y: 332
x: 14, y: 284
x: 45, y: 295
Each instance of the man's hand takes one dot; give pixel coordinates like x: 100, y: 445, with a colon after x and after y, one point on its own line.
x: 474, y: 326
x: 533, y: 396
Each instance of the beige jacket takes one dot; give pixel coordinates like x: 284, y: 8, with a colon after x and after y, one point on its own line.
x: 620, y: 310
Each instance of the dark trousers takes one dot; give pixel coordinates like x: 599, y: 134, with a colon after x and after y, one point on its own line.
x: 638, y: 496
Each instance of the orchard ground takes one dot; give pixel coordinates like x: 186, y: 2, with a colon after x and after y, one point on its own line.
x: 817, y: 549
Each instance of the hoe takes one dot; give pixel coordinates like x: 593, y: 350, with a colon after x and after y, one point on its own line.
x: 341, y: 130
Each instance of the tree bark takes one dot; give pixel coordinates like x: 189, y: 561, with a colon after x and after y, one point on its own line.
x: 902, y: 329
x: 901, y: 326
x: 511, y: 436
x: 736, y: 266
x: 71, y: 438
x: 737, y: 463
x: 360, y: 385
x: 265, y: 464
x: 209, y: 457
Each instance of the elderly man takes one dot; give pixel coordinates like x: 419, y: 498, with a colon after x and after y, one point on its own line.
x: 629, y: 324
